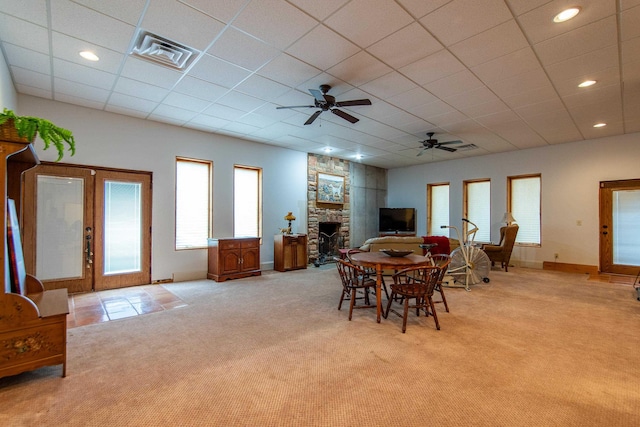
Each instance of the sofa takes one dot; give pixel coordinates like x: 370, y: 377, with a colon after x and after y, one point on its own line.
x: 409, y: 243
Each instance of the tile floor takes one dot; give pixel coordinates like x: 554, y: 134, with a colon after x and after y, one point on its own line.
x: 103, y: 306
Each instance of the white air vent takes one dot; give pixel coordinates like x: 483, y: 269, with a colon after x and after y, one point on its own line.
x: 467, y: 147
x: 163, y: 51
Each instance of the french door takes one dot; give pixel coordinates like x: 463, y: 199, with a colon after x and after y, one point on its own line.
x: 87, y: 228
x: 620, y: 227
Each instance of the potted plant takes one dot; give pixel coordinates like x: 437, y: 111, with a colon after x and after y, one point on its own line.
x: 27, y: 127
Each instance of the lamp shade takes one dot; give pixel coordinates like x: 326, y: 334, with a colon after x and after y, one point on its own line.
x: 289, y: 217
x: 508, y: 218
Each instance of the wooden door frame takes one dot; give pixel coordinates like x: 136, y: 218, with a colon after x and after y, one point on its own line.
x: 606, y: 222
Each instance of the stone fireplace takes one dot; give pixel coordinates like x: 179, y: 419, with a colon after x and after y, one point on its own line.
x: 328, y: 223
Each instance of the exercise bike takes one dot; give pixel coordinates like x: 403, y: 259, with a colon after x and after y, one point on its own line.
x: 469, y: 264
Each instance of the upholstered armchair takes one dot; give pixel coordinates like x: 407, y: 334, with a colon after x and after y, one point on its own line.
x: 502, y: 251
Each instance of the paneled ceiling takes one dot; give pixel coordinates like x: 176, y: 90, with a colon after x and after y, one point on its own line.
x: 498, y: 74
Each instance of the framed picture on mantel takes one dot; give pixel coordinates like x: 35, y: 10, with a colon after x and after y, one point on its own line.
x: 330, y: 189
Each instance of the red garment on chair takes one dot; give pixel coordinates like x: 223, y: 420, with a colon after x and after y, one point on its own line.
x: 442, y: 242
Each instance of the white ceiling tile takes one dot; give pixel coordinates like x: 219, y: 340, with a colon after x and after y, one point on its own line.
x: 32, y: 78
x: 471, y: 98
x: 521, y: 6
x: 209, y: 122
x: 432, y: 109
x: 216, y: 71
x: 200, y: 89
x: 412, y: 98
x: 433, y: 67
x: 83, y: 23
x: 389, y: 85
x: 223, y: 11
x: 288, y: 70
x: 140, y: 89
x: 262, y: 88
x: 519, y: 83
x: 493, y: 43
x: 555, y: 127
x: 458, y: 20
x: 454, y: 84
x: 185, y: 102
x: 419, y: 8
x: 34, y: 91
x: 275, y: 22
x: 416, y: 44
x: 310, y: 51
x: 68, y: 49
x: 587, y: 65
x: 366, y: 21
x: 513, y: 64
x: 147, y: 72
x: 240, y: 49
x: 178, y: 22
x: 78, y: 100
x: 627, y: 4
x: 24, y: 34
x: 128, y: 11
x: 319, y: 9
x: 359, y: 69
x: 85, y: 75
x: 534, y: 96
x: 606, y: 77
x: 600, y: 95
x: 630, y: 23
x: 534, y: 110
x: 240, y: 101
x: 26, y: 58
x: 578, y: 42
x: 132, y: 102
x: 32, y: 11
x: 79, y: 90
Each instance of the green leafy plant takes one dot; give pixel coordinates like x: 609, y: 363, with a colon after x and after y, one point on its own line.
x: 27, y: 127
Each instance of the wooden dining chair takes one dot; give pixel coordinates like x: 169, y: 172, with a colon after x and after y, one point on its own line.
x: 357, y: 285
x: 371, y: 272
x: 415, y: 284
x: 442, y: 261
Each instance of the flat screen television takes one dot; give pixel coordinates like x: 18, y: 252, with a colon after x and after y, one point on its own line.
x: 400, y: 220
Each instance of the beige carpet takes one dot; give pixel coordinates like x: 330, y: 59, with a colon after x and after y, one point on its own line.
x: 531, y: 348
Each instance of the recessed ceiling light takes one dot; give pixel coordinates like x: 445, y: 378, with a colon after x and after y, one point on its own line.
x: 587, y: 83
x: 88, y: 55
x: 566, y: 14
x: 328, y: 149
x: 599, y: 125
x: 359, y: 156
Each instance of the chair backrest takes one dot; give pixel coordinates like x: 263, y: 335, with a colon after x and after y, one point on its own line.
x: 442, y: 261
x: 425, y: 277
x: 350, y: 274
x: 508, y: 237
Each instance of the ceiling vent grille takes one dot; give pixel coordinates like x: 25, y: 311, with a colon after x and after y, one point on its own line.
x: 467, y: 147
x: 163, y: 51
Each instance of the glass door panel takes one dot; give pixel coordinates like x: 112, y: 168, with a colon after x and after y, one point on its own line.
x: 122, y: 227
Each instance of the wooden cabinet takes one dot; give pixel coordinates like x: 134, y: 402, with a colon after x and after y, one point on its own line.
x: 33, y: 322
x: 290, y: 252
x: 233, y: 258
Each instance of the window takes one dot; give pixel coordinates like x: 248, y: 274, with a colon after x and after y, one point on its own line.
x: 247, y: 206
x: 477, y: 208
x: 437, y: 209
x: 524, y: 204
x: 193, y: 203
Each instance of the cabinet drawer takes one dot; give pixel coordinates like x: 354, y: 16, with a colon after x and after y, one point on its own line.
x: 230, y: 244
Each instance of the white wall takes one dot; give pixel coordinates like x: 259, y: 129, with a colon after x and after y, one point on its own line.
x: 571, y: 174
x: 7, y: 91
x: 112, y: 140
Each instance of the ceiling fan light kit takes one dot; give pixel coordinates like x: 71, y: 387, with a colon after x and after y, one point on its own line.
x: 326, y: 102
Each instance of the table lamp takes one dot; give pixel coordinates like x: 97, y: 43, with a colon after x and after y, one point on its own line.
x: 289, y: 217
x: 508, y: 218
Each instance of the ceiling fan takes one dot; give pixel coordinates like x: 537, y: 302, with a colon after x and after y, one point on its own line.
x: 328, y: 103
x: 433, y: 143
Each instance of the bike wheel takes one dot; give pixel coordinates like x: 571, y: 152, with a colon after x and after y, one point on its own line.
x: 477, y: 270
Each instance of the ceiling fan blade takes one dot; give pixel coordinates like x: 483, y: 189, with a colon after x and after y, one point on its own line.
x: 344, y: 115
x: 296, y: 106
x: 317, y: 95
x: 422, y: 151
x: 451, y: 142
x: 449, y: 149
x: 313, y: 117
x: 354, y: 102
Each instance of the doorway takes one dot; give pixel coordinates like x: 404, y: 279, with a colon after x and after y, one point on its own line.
x: 620, y: 227
x: 89, y: 229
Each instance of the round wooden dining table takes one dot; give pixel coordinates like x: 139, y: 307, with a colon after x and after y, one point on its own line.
x: 380, y: 261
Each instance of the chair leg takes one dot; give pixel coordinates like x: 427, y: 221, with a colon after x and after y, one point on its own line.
x: 384, y: 287
x: 444, y: 299
x: 404, y: 317
x: 433, y: 312
x: 385, y: 313
x: 353, y: 302
x: 506, y: 267
x: 344, y: 293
